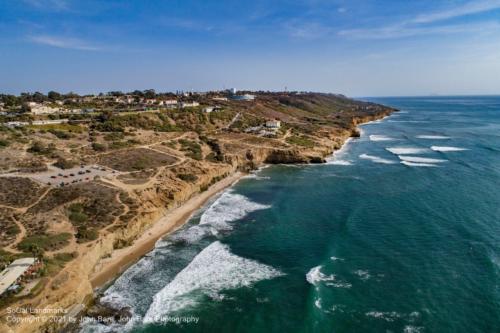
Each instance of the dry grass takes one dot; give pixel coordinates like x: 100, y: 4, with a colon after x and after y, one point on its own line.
x: 19, y: 191
x: 136, y: 159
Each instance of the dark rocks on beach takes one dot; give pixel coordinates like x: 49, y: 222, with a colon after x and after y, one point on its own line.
x: 107, y: 314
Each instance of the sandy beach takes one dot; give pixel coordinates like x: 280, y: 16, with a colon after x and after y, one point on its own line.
x: 121, y: 259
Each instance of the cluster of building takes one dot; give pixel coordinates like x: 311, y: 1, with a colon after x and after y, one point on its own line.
x: 17, y: 274
x: 269, y: 129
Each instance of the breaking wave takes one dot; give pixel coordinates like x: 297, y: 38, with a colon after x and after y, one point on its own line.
x: 376, y: 159
x: 375, y: 137
x: 315, y: 276
x: 339, y: 162
x: 229, y: 207
x: 407, y: 150
x: 214, y: 269
x: 445, y: 149
x: 433, y: 137
x: 416, y: 159
x: 413, y: 164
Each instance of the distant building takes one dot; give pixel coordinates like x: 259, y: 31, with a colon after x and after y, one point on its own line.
x: 245, y: 97
x: 170, y: 102
x: 37, y: 108
x: 19, y: 269
x: 210, y: 109
x: 222, y: 99
x: 189, y: 104
x: 150, y: 101
x: 274, y: 124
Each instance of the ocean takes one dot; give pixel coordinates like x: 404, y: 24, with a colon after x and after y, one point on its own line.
x: 398, y: 232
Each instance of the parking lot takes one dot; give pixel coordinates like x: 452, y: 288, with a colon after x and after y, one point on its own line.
x: 83, y: 173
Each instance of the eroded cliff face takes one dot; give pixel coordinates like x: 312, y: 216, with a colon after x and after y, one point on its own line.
x: 72, y: 285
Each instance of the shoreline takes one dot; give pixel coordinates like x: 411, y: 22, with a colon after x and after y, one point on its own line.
x: 121, y: 259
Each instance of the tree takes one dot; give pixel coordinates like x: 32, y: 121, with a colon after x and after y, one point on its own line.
x: 53, y: 95
x: 149, y: 93
x: 39, y: 97
x: 36, y: 251
x: 10, y: 100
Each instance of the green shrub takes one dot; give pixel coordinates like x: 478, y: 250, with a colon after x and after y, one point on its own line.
x: 98, y: 146
x: 300, y: 141
x: 63, y: 163
x: 45, y: 242
x: 4, y: 143
x: 41, y: 149
x: 85, y: 234
x: 188, y: 177
x: 60, y: 134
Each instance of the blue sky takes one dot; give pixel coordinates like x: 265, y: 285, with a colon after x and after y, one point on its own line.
x: 359, y: 48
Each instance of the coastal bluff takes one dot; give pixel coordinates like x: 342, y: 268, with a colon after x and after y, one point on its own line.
x: 150, y: 186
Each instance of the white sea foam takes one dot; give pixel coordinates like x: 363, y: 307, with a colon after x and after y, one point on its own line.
x: 229, y: 207
x: 376, y: 159
x: 193, y: 234
x: 339, y: 162
x: 417, y: 159
x: 413, y: 164
x: 339, y: 284
x: 314, y: 276
x: 363, y: 275
x: 333, y: 258
x: 445, y: 149
x: 387, y: 316
x: 214, y: 269
x: 433, y: 137
x: 336, y: 158
x: 317, y: 303
x: 375, y: 137
x: 407, y: 150
x: 412, y: 329
x: 408, y: 121
x: 256, y: 176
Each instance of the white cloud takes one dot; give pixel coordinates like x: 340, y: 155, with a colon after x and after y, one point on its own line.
x: 63, y: 42
x: 400, y: 31
x: 49, y: 4
x: 469, y: 8
x: 419, y: 24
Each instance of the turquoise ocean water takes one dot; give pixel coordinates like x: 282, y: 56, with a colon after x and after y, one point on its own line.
x: 398, y: 232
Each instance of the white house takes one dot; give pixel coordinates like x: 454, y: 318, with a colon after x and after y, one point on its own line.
x: 209, y: 109
x: 170, y: 102
x: 274, y: 124
x: 189, y: 104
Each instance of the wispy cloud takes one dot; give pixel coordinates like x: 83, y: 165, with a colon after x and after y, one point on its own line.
x: 63, y: 42
x: 49, y: 4
x: 312, y: 30
x: 399, y: 31
x: 469, y: 8
x: 422, y: 24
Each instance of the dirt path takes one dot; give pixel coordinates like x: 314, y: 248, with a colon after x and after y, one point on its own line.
x: 19, y: 237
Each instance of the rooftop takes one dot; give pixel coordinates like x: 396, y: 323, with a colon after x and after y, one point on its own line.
x: 16, y: 269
